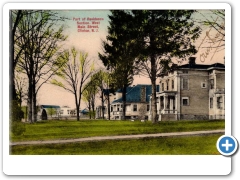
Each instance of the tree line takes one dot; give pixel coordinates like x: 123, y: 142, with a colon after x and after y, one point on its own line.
x: 138, y: 42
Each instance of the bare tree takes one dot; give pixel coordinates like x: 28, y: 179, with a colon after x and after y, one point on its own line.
x: 21, y: 87
x: 89, y: 96
x: 214, y: 40
x: 38, y: 44
x: 15, y: 19
x: 73, y: 76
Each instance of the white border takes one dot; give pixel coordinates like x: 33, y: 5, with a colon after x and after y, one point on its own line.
x: 115, y: 165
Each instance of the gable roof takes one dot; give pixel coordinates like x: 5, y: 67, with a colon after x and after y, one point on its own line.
x: 134, y: 94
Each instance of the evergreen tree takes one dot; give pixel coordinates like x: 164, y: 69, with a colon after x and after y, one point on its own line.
x: 162, y: 35
x: 119, y: 52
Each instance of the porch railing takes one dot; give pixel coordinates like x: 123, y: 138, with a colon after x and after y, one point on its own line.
x: 168, y: 111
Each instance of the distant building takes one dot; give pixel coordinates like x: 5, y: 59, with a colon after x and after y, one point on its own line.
x: 48, y: 111
x: 192, y: 91
x: 65, y: 111
x: 84, y: 112
x: 101, y: 112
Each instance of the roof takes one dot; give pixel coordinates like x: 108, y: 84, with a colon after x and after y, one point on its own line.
x: 128, y: 89
x: 85, y: 111
x: 50, y: 106
x: 134, y: 94
x: 202, y: 66
x: 108, y: 91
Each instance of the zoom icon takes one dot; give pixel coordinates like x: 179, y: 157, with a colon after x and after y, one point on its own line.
x: 227, y: 145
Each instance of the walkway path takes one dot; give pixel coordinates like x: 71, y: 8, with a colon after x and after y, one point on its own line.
x: 102, y: 138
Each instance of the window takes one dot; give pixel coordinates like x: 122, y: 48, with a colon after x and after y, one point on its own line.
x: 134, y: 107
x: 184, y: 83
x: 111, y: 109
x: 203, y: 85
x: 185, y: 101
x: 172, y: 84
x: 211, y: 103
x: 211, y: 83
x: 157, y: 88
x: 219, y: 102
x: 148, y: 107
x: 162, y: 86
x: 167, y: 84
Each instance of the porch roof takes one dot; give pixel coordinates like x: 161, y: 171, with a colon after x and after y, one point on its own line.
x: 169, y: 93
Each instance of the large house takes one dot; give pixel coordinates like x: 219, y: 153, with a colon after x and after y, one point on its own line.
x: 192, y: 91
x: 137, y: 103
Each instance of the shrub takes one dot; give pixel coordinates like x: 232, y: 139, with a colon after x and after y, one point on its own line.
x: 17, y: 128
x: 16, y: 113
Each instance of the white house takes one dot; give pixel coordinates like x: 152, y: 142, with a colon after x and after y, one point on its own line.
x: 65, y: 111
x: 48, y: 111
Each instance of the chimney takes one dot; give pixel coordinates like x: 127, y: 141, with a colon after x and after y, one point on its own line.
x: 191, y: 61
x: 143, y: 94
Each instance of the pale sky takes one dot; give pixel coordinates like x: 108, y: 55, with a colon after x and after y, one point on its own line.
x: 90, y: 42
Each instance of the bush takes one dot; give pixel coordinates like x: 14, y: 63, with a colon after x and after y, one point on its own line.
x: 17, y: 128
x: 16, y: 113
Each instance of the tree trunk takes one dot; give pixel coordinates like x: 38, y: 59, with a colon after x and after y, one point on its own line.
x: 78, y: 118
x: 89, y: 107
x: 93, y: 106
x: 79, y: 101
x: 77, y: 105
x: 153, y: 81
x: 12, y: 60
x: 108, y: 105
x: 12, y: 89
x: 102, y: 104
x: 29, y: 100
x: 34, y: 104
x: 124, y: 101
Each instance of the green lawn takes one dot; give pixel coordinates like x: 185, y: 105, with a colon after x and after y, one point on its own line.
x: 65, y: 129
x: 192, y: 145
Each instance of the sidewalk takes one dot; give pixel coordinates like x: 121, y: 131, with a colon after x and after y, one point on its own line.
x: 102, y: 138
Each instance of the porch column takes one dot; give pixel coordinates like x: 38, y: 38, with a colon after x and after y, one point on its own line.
x: 160, y: 104
x: 223, y: 103
x: 150, y: 108
x: 159, y: 108
x: 171, y: 104
x: 176, y: 107
x: 165, y: 103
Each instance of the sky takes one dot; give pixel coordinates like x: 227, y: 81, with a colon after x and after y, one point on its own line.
x: 84, y: 39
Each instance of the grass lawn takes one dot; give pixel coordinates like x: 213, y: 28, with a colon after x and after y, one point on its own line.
x: 65, y: 129
x: 192, y: 145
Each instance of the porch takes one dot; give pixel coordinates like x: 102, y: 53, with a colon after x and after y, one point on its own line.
x: 166, y: 106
